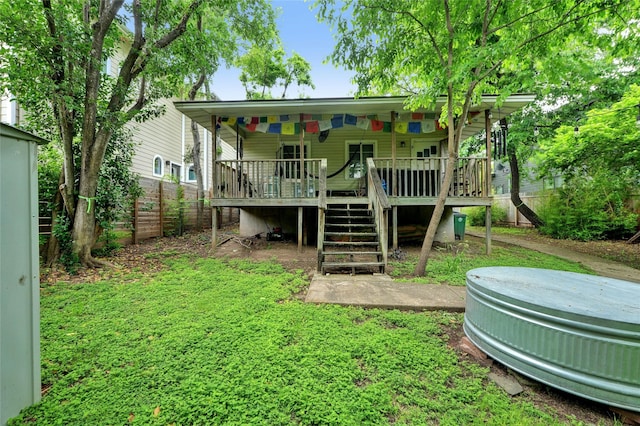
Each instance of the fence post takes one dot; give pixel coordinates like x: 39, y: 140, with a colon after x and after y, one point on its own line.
x: 161, y: 204
x: 134, y: 231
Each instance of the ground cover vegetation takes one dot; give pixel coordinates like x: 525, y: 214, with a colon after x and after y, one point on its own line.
x: 176, y: 338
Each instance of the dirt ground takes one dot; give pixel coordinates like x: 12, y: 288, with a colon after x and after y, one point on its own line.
x: 141, y: 257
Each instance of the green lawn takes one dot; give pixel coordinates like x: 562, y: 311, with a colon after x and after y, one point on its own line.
x: 214, y: 342
x: 445, y: 267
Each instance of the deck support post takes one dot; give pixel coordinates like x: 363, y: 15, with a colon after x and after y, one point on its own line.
x: 487, y: 179
x: 300, y: 211
x: 394, y: 220
x: 487, y: 224
x: 214, y: 209
x: 320, y: 244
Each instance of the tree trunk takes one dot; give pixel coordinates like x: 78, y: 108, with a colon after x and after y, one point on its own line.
x: 197, y: 167
x: 52, y: 249
x: 515, y: 191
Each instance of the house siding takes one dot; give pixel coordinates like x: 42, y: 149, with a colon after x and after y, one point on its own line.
x: 259, y: 146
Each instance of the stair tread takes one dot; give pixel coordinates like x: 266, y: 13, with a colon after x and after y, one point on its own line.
x: 352, y: 234
x: 346, y: 225
x: 349, y: 217
x: 351, y: 264
x: 351, y: 243
x: 358, y: 253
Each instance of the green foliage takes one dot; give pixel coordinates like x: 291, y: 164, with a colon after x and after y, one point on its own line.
x: 476, y: 215
x: 607, y: 141
x: 590, y: 209
x: 49, y: 166
x: 62, y: 231
x: 205, y: 343
x: 264, y: 67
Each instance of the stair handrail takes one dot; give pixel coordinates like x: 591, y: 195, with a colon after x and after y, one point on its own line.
x: 379, y: 203
x: 322, y: 208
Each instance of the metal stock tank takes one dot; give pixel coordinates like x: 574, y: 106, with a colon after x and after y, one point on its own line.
x: 576, y: 332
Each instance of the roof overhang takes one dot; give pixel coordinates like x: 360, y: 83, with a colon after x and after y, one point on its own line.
x: 202, y: 111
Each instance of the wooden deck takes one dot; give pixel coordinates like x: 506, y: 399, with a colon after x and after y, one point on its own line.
x: 405, y: 182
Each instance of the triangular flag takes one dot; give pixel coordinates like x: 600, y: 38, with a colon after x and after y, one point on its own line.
x: 275, y: 128
x: 402, y: 126
x: 336, y: 122
x: 350, y: 119
x: 312, y: 127
x: 262, y: 127
x: 414, y: 127
x: 428, y: 126
x: 324, y: 125
x: 288, y: 128
x: 363, y: 123
x: 272, y: 119
x: 377, y: 125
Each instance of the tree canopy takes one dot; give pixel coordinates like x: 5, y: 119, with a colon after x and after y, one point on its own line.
x: 53, y: 59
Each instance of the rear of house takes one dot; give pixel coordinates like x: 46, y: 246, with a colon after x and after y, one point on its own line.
x: 344, y: 172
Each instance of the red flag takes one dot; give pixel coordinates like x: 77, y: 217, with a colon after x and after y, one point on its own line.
x: 251, y: 127
x: 312, y: 127
x: 377, y: 125
x: 417, y: 116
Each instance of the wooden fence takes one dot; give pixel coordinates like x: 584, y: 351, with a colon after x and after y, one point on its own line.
x: 157, y: 212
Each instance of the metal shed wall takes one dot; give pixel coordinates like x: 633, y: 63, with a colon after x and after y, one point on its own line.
x: 19, y: 272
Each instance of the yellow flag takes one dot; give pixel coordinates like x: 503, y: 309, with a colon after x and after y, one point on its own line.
x: 402, y: 126
x: 272, y: 119
x: 288, y: 128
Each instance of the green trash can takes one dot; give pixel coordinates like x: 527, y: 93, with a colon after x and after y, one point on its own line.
x: 459, y: 221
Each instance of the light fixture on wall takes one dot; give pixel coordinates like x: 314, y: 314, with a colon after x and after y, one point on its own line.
x: 167, y: 162
x: 402, y: 144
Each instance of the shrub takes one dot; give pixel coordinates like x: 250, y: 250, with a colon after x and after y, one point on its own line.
x: 589, y: 209
x: 476, y: 215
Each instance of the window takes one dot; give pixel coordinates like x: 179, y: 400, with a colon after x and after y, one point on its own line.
x: 292, y: 152
x: 158, y: 166
x: 358, y: 152
x: 175, y: 172
x: 191, y: 173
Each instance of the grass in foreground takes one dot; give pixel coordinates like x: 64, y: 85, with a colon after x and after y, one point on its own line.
x: 208, y: 342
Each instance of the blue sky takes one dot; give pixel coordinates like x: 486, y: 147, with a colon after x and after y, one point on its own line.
x: 300, y: 32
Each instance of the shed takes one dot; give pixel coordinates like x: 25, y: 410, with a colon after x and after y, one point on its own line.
x: 19, y: 272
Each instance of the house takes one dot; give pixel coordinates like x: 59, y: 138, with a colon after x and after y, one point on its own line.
x: 344, y: 173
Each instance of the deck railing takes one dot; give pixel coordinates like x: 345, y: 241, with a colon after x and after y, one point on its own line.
x: 268, y: 179
x: 422, y: 177
x: 414, y: 177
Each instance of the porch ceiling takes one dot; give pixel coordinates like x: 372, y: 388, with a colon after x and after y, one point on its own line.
x: 201, y: 111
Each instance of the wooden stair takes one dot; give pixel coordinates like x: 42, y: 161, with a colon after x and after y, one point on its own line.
x: 351, y: 243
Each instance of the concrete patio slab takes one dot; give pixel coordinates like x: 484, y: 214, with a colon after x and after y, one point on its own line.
x: 380, y: 291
